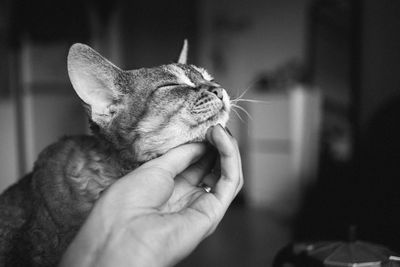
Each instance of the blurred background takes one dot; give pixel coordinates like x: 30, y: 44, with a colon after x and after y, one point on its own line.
x: 320, y: 149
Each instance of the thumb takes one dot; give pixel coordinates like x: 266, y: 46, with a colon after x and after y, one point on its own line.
x: 152, y: 184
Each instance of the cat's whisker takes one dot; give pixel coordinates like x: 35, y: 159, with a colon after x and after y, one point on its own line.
x: 241, y: 99
x: 243, y: 93
x: 237, y: 114
x: 249, y: 100
x: 242, y: 109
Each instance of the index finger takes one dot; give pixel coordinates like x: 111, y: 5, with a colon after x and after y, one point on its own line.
x: 228, y: 184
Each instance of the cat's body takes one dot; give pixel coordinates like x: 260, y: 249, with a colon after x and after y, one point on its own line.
x: 135, y: 116
x: 42, y: 212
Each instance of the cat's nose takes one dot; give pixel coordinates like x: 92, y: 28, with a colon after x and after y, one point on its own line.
x: 217, y: 91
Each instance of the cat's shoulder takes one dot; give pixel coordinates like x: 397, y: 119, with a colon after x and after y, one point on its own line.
x: 14, y: 202
x: 15, y: 209
x: 68, y: 153
x: 74, y: 168
x: 75, y: 158
x: 66, y: 147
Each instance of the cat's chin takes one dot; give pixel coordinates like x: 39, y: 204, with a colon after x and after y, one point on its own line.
x: 222, y: 119
x: 158, y: 143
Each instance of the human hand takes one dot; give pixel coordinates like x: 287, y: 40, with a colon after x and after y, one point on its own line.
x: 157, y: 214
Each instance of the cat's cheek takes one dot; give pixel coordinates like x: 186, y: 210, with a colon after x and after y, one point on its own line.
x: 224, y: 118
x: 149, y: 156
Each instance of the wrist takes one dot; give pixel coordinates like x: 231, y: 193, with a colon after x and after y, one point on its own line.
x: 124, y: 248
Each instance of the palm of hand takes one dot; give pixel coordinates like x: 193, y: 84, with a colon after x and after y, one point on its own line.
x: 171, y: 204
x: 187, y: 194
x: 182, y: 198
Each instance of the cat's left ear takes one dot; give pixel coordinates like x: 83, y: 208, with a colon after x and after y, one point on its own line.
x: 184, y: 52
x: 94, y: 80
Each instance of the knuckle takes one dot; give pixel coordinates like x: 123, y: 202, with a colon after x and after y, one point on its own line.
x: 212, y: 230
x: 235, y: 142
x: 201, y: 164
x: 230, y: 151
x: 157, y: 170
x: 241, y: 182
x: 212, y: 216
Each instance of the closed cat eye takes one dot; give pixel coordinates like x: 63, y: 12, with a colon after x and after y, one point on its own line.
x: 169, y: 84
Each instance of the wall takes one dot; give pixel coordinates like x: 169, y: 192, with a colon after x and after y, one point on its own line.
x: 255, y: 36
x: 51, y: 109
x: 378, y: 173
x: 152, y: 34
x: 380, y: 44
x: 8, y: 144
x: 238, y: 40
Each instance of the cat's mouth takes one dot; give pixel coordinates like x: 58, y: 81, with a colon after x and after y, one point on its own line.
x: 211, y: 104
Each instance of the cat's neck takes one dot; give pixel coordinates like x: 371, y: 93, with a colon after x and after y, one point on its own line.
x: 124, y: 160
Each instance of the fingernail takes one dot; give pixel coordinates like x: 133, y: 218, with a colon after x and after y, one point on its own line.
x: 209, y: 135
x: 223, y: 128
x: 229, y: 132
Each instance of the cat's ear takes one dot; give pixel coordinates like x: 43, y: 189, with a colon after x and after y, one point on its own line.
x: 184, y: 52
x: 93, y: 78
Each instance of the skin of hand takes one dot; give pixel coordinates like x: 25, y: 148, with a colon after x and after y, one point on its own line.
x: 157, y: 214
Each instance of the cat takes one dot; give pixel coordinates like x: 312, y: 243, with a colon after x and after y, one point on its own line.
x: 134, y: 116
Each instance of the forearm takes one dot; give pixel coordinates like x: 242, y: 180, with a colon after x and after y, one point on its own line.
x: 85, y: 247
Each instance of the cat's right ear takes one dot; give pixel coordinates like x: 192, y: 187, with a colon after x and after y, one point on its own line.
x: 184, y: 52
x: 93, y: 78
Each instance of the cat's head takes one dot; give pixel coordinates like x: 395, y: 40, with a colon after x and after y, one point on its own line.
x: 145, y: 112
